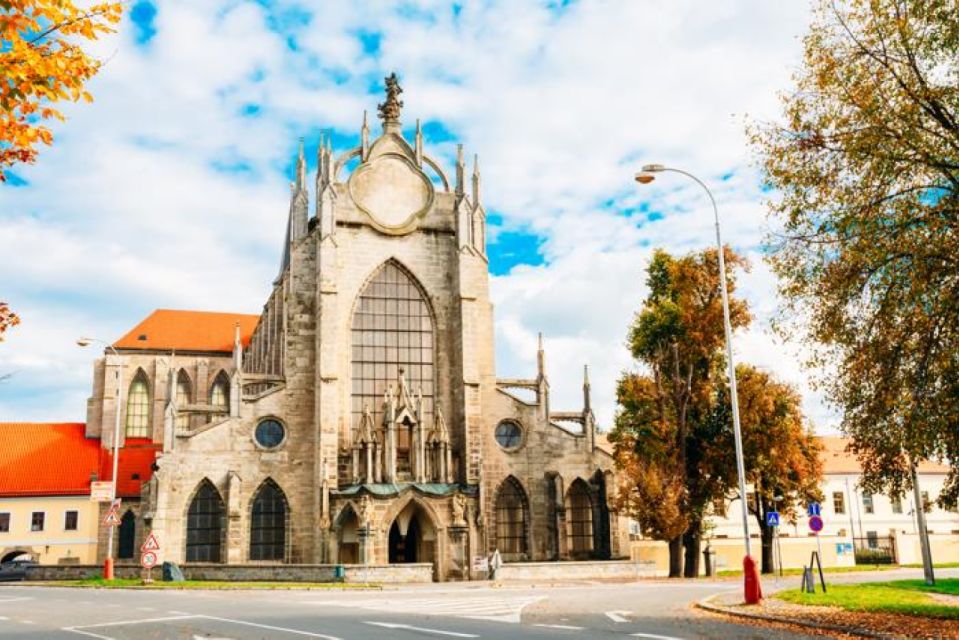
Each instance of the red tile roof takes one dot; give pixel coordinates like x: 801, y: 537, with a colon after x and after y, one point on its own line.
x: 57, y: 459
x: 836, y: 459
x: 168, y: 329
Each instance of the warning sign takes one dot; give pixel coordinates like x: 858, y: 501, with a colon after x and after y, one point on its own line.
x: 112, y: 519
x: 150, y: 544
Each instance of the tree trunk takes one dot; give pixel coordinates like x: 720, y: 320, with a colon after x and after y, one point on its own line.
x: 692, y: 541
x: 767, y: 553
x: 676, y: 557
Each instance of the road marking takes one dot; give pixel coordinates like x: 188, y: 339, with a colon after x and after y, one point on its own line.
x: 496, y: 609
x: 145, y: 609
x: 179, y: 613
x: 119, y: 623
x: 26, y: 621
x: 439, y: 632
x: 308, y: 634
x: 5, y: 600
x: 617, y: 616
x: 653, y: 636
x: 4, y: 618
x: 559, y: 626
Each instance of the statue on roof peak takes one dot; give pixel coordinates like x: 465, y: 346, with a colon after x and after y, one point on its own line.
x: 390, y: 110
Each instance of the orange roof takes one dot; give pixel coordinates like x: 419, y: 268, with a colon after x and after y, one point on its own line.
x: 40, y: 459
x: 836, y: 459
x: 57, y: 459
x: 168, y: 329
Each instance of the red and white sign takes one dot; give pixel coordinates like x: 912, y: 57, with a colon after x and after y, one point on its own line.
x: 112, y: 519
x: 148, y: 559
x: 150, y: 544
x: 815, y: 524
x: 101, y: 491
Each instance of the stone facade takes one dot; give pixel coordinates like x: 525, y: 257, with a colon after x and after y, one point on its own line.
x: 366, y: 399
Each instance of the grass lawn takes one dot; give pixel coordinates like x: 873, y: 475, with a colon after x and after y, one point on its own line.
x: 949, y: 586
x: 854, y: 569
x: 127, y: 583
x: 902, y: 597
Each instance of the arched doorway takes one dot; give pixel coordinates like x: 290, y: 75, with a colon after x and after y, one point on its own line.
x: 204, y: 525
x: 127, y: 536
x: 601, y: 539
x: 347, y: 525
x: 268, y: 523
x: 579, y: 520
x: 412, y: 536
x: 16, y: 555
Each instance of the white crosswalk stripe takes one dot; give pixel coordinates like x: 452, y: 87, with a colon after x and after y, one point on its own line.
x: 480, y: 608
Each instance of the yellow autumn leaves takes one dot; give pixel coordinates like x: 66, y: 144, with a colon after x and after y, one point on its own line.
x: 42, y: 62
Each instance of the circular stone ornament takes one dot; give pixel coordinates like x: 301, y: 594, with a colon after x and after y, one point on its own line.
x: 269, y: 433
x: 392, y: 191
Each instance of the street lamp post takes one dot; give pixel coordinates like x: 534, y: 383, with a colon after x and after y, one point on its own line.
x: 108, y: 561
x: 752, y: 589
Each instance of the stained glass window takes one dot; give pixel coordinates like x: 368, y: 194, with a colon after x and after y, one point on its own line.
x: 138, y: 408
x: 511, y: 520
x: 204, y: 525
x: 580, y: 517
x: 392, y: 329
x: 268, y: 524
x: 509, y: 435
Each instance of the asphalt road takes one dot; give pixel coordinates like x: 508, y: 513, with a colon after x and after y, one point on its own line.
x: 657, y: 610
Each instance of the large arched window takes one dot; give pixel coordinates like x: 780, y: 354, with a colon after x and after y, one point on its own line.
x: 128, y: 536
x: 511, y: 518
x: 138, y: 407
x: 184, y: 396
x: 392, y: 329
x: 220, y: 395
x: 204, y: 525
x: 579, y: 514
x: 268, y: 523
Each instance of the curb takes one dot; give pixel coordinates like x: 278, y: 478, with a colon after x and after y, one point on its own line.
x: 706, y: 604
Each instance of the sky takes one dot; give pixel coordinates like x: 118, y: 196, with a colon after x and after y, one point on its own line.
x: 171, y: 190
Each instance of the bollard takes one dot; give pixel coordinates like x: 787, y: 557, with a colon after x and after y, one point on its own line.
x: 808, y: 582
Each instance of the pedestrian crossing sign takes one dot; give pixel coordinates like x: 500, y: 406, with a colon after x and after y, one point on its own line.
x: 772, y: 519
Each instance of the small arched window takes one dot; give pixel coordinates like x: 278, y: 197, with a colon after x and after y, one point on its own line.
x: 184, y: 396
x: 220, y: 395
x: 138, y: 407
x: 268, y: 523
x: 204, y: 525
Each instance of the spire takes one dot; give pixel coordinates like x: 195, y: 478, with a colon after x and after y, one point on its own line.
x: 540, y: 357
x: 237, y: 347
x: 301, y: 169
x: 419, y: 144
x: 319, y: 166
x: 299, y: 204
x: 476, y: 180
x: 390, y: 109
x: 365, y: 139
x: 587, y: 404
x: 460, y: 171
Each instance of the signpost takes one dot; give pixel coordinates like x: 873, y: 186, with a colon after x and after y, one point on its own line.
x: 815, y: 525
x: 148, y: 556
x: 772, y: 520
x: 112, y: 518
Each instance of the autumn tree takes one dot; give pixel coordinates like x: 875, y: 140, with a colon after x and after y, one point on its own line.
x: 8, y: 319
x: 780, y: 451
x: 865, y: 175
x: 659, y: 433
x: 42, y: 62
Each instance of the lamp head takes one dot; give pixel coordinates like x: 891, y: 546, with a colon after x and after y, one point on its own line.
x: 84, y: 342
x: 647, y: 175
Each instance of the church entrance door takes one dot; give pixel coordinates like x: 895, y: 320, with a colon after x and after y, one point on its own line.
x: 403, y: 548
x: 412, y: 536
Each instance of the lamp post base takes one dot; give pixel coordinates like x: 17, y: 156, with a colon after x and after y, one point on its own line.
x: 108, y: 569
x: 753, y: 589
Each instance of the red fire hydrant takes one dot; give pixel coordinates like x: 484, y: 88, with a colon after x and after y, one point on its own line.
x: 754, y: 590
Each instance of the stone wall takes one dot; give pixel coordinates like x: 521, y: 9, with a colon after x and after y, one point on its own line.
x: 586, y: 570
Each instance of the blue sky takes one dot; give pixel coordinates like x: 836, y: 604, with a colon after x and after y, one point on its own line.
x: 170, y: 190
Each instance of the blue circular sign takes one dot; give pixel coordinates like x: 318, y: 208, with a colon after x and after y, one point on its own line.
x: 815, y: 524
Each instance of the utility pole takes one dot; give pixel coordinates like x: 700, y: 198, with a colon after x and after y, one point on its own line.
x: 923, y: 533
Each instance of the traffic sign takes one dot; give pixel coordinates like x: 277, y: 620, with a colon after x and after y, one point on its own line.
x: 101, y: 491
x: 815, y: 524
x: 148, y: 559
x: 150, y: 544
x: 772, y: 519
x: 814, y: 509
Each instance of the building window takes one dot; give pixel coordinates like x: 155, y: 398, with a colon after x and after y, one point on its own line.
x: 580, y: 516
x: 511, y: 516
x: 36, y: 521
x: 872, y: 539
x: 509, y: 435
x: 184, y: 396
x: 926, y: 502
x: 867, y: 504
x: 70, y: 521
x: 392, y: 329
x: 268, y: 524
x: 220, y: 395
x: 838, y: 502
x: 4, y: 522
x: 138, y: 407
x: 896, y: 504
x: 204, y: 525
x: 127, y: 535
x: 269, y: 433
x: 719, y: 507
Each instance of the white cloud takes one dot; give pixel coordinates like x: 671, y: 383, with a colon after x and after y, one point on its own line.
x: 129, y: 210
